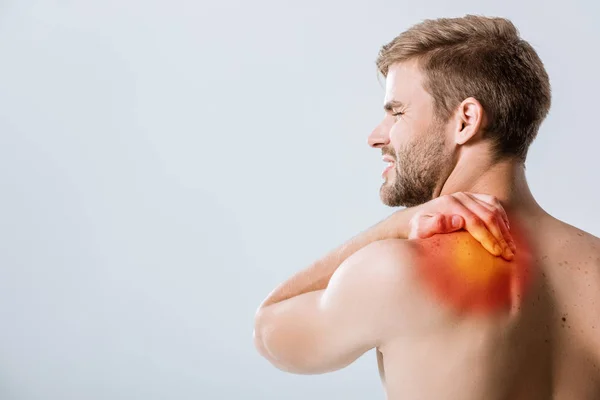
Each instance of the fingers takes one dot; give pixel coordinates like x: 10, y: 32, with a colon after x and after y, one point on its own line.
x: 480, y: 214
x: 506, y: 234
x: 491, y: 201
x: 484, y: 225
x: 504, y: 227
x: 495, y: 223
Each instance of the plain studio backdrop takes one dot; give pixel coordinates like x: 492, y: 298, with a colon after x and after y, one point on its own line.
x: 165, y: 164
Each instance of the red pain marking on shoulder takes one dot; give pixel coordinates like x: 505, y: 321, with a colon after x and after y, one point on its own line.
x: 462, y: 274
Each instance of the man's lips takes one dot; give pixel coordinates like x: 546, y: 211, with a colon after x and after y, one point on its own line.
x: 390, y: 165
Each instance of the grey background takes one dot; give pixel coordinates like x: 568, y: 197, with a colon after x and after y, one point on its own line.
x: 165, y: 164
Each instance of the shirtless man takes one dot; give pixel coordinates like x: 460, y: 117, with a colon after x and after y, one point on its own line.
x: 451, y: 316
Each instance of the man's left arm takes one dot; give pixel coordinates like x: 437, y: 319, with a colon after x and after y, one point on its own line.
x: 327, y: 329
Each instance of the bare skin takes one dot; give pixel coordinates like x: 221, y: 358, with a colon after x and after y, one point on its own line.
x: 546, y: 347
x: 448, y: 315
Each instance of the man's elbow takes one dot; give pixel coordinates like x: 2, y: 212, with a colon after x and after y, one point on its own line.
x: 258, y: 334
x: 269, y: 344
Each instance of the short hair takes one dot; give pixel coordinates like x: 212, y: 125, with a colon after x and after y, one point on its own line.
x: 484, y: 58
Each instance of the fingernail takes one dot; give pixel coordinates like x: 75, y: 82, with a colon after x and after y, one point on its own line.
x: 455, y: 221
x: 508, y: 253
x: 497, y: 249
x: 513, y: 246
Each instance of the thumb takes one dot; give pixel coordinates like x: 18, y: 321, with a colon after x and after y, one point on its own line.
x: 454, y: 223
x: 427, y: 225
x: 438, y: 223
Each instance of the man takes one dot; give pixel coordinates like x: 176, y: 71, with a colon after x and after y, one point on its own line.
x: 503, y: 305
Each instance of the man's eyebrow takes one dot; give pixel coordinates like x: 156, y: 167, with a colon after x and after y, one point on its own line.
x: 390, y: 105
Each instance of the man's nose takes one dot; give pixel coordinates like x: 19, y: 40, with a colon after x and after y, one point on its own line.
x: 379, y: 137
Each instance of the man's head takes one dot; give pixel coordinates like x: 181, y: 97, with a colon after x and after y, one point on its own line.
x: 451, y: 84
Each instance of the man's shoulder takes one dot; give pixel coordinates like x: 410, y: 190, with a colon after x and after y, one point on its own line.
x: 392, y: 262
x: 442, y: 244
x: 463, y: 276
x: 386, y: 275
x: 397, y: 256
x: 389, y: 270
x: 383, y: 261
x: 453, y: 272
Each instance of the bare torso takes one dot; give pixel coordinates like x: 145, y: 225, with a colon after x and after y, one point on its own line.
x: 546, y: 345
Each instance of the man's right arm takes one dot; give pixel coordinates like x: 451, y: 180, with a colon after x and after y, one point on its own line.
x: 479, y: 214
x: 485, y: 220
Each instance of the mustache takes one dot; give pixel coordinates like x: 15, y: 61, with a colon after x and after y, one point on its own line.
x: 388, y: 152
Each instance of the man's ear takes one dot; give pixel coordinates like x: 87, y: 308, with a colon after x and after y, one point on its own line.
x: 469, y: 120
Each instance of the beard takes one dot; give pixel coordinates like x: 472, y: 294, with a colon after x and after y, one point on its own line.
x: 419, y: 168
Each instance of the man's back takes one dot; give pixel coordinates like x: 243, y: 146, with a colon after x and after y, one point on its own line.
x: 538, y: 339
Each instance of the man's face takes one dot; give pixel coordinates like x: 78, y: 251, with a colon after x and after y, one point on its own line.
x: 414, y: 143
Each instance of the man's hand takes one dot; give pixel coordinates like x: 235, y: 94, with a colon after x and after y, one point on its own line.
x: 481, y: 215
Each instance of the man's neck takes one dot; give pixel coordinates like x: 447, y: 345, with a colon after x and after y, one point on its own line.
x: 505, y: 180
